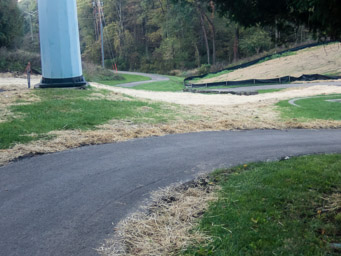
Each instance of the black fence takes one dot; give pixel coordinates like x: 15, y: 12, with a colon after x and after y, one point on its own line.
x: 280, y: 80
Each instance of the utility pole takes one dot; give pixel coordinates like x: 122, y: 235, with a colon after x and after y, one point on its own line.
x: 30, y: 14
x: 59, y: 44
x: 99, y: 12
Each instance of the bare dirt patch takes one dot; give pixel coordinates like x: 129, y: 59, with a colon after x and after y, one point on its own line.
x: 163, y: 227
x: 14, y: 91
x: 316, y: 60
x: 194, y: 113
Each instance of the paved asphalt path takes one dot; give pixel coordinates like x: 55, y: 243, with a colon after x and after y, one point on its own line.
x: 153, y: 77
x: 67, y: 203
x: 274, y: 86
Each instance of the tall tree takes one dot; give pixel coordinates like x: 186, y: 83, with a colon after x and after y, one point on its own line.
x: 321, y: 16
x: 10, y: 22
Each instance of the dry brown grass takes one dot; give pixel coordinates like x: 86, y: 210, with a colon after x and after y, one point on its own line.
x: 166, y: 225
x: 332, y: 203
x: 14, y: 95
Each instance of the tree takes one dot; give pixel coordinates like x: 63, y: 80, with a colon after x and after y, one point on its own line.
x: 10, y: 23
x: 321, y: 16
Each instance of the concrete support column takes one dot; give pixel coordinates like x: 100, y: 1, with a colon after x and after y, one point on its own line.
x: 59, y: 44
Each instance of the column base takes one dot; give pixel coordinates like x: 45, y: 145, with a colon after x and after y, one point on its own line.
x: 73, y: 82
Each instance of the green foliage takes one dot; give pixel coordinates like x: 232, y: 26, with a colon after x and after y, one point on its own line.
x: 164, y: 36
x: 319, y: 15
x: 30, y: 42
x: 66, y: 109
x: 16, y: 60
x: 313, y: 108
x: 10, y: 23
x: 204, y: 69
x: 274, y: 209
x: 94, y: 73
x: 255, y: 40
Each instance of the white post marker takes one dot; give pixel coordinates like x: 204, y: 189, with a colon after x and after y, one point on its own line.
x: 59, y: 44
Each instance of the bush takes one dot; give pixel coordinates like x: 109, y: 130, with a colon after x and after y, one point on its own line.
x: 204, y: 69
x: 96, y: 73
x: 16, y: 60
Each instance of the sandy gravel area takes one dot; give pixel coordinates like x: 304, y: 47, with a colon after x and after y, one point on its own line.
x: 222, y: 99
x: 316, y: 60
x: 195, y: 113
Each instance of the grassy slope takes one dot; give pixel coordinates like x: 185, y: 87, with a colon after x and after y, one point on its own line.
x: 312, y: 108
x: 275, y: 208
x: 64, y: 109
x: 224, y: 72
x: 320, y: 59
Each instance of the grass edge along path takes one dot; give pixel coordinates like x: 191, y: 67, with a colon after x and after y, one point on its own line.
x: 174, y: 84
x: 316, y: 107
x: 287, y: 207
x: 128, y: 78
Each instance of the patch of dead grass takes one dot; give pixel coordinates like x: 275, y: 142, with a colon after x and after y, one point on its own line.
x: 332, y: 203
x: 14, y: 96
x: 166, y: 226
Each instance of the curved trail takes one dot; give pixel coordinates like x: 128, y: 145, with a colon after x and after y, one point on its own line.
x: 153, y: 77
x: 66, y: 203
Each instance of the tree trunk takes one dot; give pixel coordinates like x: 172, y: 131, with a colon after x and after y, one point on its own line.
x: 213, y: 39
x: 197, y: 55
x: 236, y: 45
x: 205, y: 37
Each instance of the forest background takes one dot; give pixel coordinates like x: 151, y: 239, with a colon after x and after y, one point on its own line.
x: 161, y: 36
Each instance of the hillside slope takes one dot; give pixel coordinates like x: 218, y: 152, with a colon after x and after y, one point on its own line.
x: 316, y: 60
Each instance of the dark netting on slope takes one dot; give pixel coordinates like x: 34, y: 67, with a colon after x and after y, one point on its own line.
x: 285, y: 79
x: 280, y: 80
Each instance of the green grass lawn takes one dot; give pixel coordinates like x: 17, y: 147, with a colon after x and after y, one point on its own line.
x: 126, y: 79
x: 313, y: 108
x: 269, y: 91
x: 68, y: 109
x: 174, y: 84
x: 275, y: 208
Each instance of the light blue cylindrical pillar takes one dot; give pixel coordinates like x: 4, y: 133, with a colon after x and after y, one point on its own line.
x: 59, y: 44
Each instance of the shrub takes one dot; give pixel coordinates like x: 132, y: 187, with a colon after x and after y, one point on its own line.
x: 16, y: 60
x: 204, y: 69
x: 96, y: 73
